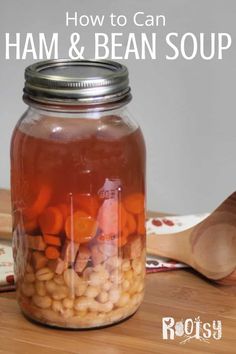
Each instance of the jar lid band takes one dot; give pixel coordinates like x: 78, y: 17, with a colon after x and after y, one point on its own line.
x: 82, y: 82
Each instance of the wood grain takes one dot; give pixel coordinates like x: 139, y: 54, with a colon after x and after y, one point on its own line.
x: 180, y: 294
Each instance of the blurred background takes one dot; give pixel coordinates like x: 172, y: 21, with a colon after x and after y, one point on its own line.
x: 186, y: 109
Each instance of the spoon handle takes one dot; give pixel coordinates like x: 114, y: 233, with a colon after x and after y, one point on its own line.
x: 175, y: 246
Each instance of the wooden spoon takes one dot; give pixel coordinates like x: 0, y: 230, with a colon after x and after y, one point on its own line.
x: 209, y: 247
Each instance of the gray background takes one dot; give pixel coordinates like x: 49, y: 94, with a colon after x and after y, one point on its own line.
x: 185, y: 108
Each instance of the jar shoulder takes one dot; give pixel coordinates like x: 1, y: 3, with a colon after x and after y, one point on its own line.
x: 49, y: 125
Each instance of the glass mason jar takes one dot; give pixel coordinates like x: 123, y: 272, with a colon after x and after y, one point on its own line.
x: 78, y: 196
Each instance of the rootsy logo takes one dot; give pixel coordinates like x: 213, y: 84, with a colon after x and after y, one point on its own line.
x: 190, y: 329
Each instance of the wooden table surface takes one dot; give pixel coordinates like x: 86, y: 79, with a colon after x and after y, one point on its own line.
x: 180, y: 294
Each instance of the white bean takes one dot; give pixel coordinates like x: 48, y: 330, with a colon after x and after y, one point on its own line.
x: 40, y: 288
x: 43, y: 302
x: 107, y: 285
x: 123, y: 301
x: 50, y: 286
x: 29, y: 278
x: 44, y: 274
x: 98, y: 278
x: 94, y: 305
x: 68, y: 313
x: 57, y: 306
x: 116, y: 276
x: 125, y: 285
x: 93, y: 319
x: 140, y: 286
x: 49, y: 316
x: 129, y: 275
x: 107, y: 307
x: 136, y: 299
x: 71, y: 278
x: 82, y: 303
x: 80, y: 314
x: 114, y: 295
x: 68, y: 303
x: 102, y: 297
x: 59, y: 280
x: 80, y: 289
x: 27, y: 289
x: 137, y: 266
x: 91, y: 291
x: 60, y: 293
x: 134, y: 287
x: 117, y: 314
x: 125, y: 265
x: 113, y: 262
x: 132, y: 301
x: 105, y: 275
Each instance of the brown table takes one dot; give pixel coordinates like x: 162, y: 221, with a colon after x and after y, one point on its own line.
x: 179, y: 294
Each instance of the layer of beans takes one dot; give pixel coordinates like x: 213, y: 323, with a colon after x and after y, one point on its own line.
x: 101, y: 295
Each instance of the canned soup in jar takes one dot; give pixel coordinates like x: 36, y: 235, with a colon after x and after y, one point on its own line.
x: 78, y: 196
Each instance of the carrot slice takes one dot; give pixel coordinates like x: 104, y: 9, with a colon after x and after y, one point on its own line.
x: 141, y: 224
x: 131, y: 223
x: 80, y: 227
x: 88, y: 203
x: 52, y: 252
x: 64, y: 209
x: 39, y: 204
x: 122, y: 217
x: 51, y: 221
x: 134, y: 203
x: 52, y: 240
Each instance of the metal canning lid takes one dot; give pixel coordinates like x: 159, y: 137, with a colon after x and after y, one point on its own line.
x: 82, y: 82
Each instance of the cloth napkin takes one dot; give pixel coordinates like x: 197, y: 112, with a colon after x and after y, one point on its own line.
x: 6, y: 267
x: 168, y: 225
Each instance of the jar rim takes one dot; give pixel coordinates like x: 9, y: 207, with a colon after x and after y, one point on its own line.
x: 77, y: 82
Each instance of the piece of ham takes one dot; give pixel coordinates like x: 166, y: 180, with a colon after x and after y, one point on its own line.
x: 36, y: 243
x: 38, y: 260
x: 69, y: 251
x: 57, y: 265
x: 108, y: 217
x: 97, y: 256
x: 82, y: 258
x: 109, y: 249
x: 133, y: 248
